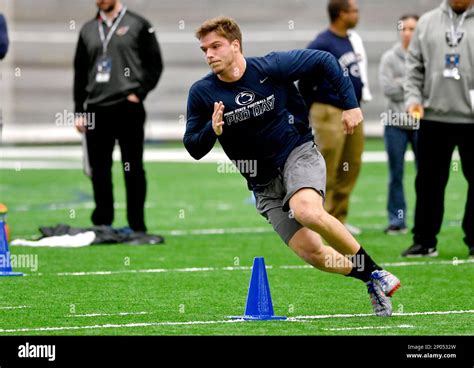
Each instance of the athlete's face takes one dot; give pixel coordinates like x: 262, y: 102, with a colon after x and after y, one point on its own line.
x: 350, y: 16
x: 219, y: 52
x: 407, y: 29
x: 106, y: 5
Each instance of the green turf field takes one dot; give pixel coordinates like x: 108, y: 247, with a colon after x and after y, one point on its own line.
x: 200, y: 276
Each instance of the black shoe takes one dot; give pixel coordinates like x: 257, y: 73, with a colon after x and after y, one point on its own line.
x: 471, y: 252
x: 418, y: 250
x: 395, y: 230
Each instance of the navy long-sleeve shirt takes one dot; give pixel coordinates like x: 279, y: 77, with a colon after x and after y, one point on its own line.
x: 319, y: 89
x: 265, y: 117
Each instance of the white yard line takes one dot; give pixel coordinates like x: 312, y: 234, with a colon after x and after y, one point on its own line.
x: 14, y: 307
x: 240, y: 268
x: 157, y: 270
x: 118, y: 325
x: 107, y: 314
x: 368, y: 328
x: 240, y: 230
x: 156, y: 324
x: 410, y: 314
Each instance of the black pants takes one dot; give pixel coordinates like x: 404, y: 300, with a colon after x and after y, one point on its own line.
x: 123, y: 122
x: 436, y: 143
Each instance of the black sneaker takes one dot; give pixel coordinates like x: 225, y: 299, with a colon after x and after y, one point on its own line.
x: 395, y: 230
x: 417, y: 250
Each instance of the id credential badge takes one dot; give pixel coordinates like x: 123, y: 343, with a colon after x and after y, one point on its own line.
x: 104, y: 68
x: 104, y: 64
x: 451, y: 67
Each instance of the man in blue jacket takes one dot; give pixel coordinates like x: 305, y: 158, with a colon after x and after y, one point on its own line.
x: 253, y: 108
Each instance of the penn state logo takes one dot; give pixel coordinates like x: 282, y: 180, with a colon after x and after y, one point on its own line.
x: 245, y: 98
x: 453, y: 43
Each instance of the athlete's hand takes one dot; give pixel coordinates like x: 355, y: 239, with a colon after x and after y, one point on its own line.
x: 133, y: 98
x: 351, y: 118
x: 80, y: 123
x: 416, y: 111
x: 217, y: 118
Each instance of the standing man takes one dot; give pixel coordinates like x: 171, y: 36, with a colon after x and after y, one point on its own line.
x: 3, y: 37
x: 440, y: 90
x: 118, y: 62
x: 392, y: 73
x: 342, y: 152
x: 253, y: 108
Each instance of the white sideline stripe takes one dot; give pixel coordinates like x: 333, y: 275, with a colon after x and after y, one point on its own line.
x: 125, y: 325
x: 107, y: 314
x: 453, y: 262
x: 240, y: 230
x: 238, y: 268
x: 154, y: 324
x: 15, y: 307
x: 156, y: 270
x: 368, y: 328
x: 410, y: 314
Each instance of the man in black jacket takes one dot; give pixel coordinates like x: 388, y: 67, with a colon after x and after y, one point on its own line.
x: 117, y: 63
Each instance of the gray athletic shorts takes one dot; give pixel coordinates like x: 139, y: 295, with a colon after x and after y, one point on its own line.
x: 304, y: 168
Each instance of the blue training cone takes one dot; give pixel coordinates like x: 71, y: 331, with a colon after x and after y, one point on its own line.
x: 5, y: 264
x: 259, y: 306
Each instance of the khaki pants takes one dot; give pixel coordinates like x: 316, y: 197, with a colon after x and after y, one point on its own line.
x: 343, y: 155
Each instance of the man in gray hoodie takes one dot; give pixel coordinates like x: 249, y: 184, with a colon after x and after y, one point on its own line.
x: 439, y: 89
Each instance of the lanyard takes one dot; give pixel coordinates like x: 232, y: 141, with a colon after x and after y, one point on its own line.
x: 455, y: 30
x: 105, y: 40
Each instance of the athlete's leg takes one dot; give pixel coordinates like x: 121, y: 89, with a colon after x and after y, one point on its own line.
x: 307, y: 207
x: 309, y: 246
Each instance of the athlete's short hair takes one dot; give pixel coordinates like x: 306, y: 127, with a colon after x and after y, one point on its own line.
x: 224, y: 26
x: 335, y: 7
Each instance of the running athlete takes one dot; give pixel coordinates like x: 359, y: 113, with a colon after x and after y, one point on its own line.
x: 253, y: 108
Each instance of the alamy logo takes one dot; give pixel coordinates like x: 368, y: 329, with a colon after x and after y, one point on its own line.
x: 244, y: 98
x: 37, y: 351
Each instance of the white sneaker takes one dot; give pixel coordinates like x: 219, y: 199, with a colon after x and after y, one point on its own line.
x: 353, y: 229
